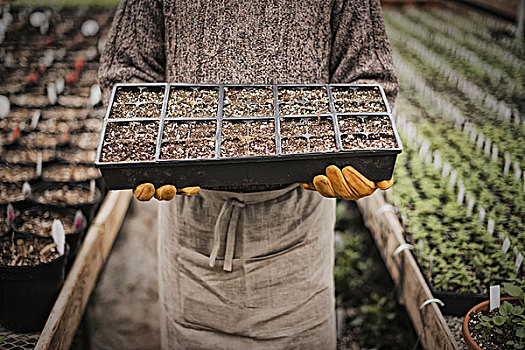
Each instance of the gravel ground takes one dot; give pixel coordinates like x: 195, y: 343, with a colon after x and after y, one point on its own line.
x: 455, y: 323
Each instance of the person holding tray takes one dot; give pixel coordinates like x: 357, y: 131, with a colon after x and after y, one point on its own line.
x: 249, y: 267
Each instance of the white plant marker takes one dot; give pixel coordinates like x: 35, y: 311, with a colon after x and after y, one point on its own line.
x: 488, y: 144
x: 95, y: 95
x: 481, y: 139
x: 470, y: 204
x: 494, y: 297
x: 89, y: 28
x: 78, y: 219
x: 517, y: 170
x: 519, y: 260
x: 490, y: 226
x: 39, y: 164
x: 26, y: 189
x: 446, y: 170
x: 461, y: 192
x: 10, y: 214
x: 495, y: 152
x: 52, y: 93
x: 59, y: 236
x: 506, y: 245
x: 481, y: 213
x: 92, y: 189
x: 35, y: 118
x: 5, y: 106
x: 453, y: 177
x: 506, y: 168
x: 437, y: 160
x: 60, y: 85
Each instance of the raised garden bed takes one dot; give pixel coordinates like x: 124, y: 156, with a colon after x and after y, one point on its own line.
x: 255, y: 134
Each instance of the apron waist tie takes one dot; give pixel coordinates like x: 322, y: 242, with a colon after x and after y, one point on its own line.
x: 229, y: 214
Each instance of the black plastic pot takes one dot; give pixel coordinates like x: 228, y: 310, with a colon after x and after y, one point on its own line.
x: 88, y: 209
x: 73, y: 239
x: 27, y: 293
x: 375, y: 163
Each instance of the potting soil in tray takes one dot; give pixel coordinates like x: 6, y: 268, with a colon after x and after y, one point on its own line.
x: 223, y: 135
x: 10, y: 192
x: 29, y: 251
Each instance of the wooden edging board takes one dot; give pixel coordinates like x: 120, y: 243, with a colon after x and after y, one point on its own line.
x: 69, y: 307
x: 413, y: 290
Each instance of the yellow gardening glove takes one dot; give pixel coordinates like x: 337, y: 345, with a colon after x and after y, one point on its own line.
x: 347, y: 184
x: 146, y: 191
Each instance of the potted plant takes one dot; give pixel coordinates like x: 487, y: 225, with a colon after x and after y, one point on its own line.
x: 500, y: 328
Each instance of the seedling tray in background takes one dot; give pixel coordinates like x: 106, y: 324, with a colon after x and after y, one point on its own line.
x: 201, y: 134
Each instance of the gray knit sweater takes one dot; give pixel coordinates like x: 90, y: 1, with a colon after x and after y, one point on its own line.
x: 248, y: 42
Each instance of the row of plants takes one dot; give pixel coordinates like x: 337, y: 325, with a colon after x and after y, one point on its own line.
x: 494, y: 88
x: 494, y: 198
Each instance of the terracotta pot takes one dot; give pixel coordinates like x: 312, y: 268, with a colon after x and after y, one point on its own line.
x: 471, y: 344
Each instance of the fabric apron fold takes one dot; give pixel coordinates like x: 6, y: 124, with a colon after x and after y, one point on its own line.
x: 239, y: 269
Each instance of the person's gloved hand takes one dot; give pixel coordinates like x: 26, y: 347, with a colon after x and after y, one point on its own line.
x: 146, y: 191
x: 346, y: 184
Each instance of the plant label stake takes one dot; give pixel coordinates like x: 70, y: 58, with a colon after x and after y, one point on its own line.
x: 10, y: 214
x: 490, y: 226
x: 39, y: 164
x: 506, y: 245
x: 501, y: 237
x: 5, y: 106
x: 446, y: 170
x: 519, y: 260
x: 60, y: 85
x: 437, y: 160
x: 59, y: 236
x: 430, y: 266
x: 78, y: 219
x: 494, y: 153
x: 488, y: 144
x: 494, y: 297
x: 52, y: 93
x: 482, y: 213
x: 515, y: 251
x: 453, y: 176
x: 26, y: 190
x: 94, y: 95
x: 461, y: 192
x: 517, y: 170
x: 506, y: 168
x: 92, y: 189
x: 35, y: 118
x: 470, y: 204
x: 481, y: 139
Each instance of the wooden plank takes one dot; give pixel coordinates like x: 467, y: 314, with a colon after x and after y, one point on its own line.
x: 430, y: 325
x: 71, y: 302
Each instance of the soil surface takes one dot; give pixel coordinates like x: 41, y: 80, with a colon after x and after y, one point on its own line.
x: 41, y: 222
x: 188, y: 140
x: 193, y: 103
x: 255, y: 138
x: 494, y: 341
x: 26, y: 156
x: 131, y: 141
x: 303, y: 101
x: 352, y: 100
x: 29, y: 251
x: 307, y: 135
x: 137, y: 103
x: 10, y: 192
x: 78, y: 155
x: 16, y: 173
x: 248, y: 102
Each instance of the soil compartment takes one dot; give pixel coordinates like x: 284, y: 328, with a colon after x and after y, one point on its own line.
x: 193, y: 102
x: 130, y: 141
x: 248, y: 101
x: 358, y: 99
x: 307, y: 135
x: 248, y: 138
x: 303, y: 100
x: 188, y: 139
x: 132, y: 102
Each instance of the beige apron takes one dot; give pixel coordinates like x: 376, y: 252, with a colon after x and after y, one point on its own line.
x: 247, y: 270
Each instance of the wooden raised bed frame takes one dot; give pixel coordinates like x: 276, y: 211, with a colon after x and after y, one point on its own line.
x: 413, y: 291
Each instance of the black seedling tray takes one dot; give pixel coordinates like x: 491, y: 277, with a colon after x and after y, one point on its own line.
x: 210, y: 168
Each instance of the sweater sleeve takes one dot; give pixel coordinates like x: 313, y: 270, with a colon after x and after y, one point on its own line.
x: 360, y: 51
x: 134, y: 50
